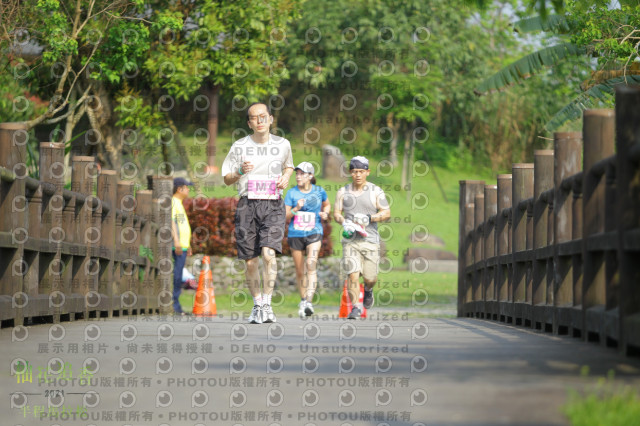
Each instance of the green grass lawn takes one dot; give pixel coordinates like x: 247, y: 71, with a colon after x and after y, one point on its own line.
x: 396, y: 291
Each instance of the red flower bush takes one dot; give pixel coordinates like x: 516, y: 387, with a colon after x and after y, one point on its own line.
x: 212, y: 222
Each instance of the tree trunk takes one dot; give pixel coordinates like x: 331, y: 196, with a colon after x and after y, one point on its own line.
x: 213, y: 93
x: 405, y: 157
x: 182, y: 152
x: 72, y: 120
x: 165, y: 159
x: 100, y: 113
x: 393, y: 149
x: 410, y: 160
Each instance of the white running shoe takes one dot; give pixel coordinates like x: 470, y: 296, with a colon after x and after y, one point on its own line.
x: 267, y: 314
x: 256, y: 315
x: 308, y: 310
x: 302, y: 308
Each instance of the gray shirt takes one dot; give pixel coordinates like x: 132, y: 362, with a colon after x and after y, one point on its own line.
x: 364, y: 202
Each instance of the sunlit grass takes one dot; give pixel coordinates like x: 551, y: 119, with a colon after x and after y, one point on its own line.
x: 396, y: 291
x: 606, y: 404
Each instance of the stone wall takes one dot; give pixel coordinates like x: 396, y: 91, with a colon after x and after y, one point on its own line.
x: 228, y: 272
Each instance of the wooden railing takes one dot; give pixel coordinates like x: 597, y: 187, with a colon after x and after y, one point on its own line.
x: 95, y: 250
x: 557, y: 248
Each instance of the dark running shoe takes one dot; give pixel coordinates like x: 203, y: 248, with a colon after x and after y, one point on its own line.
x: 367, y: 300
x: 355, y: 313
x: 308, y: 310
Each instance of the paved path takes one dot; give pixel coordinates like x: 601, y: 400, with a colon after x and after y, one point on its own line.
x: 323, y: 371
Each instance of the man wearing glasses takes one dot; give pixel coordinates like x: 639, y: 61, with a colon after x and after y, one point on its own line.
x: 181, y: 231
x: 359, y: 206
x: 260, y: 165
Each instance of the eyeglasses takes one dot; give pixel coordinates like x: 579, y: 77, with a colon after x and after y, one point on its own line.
x: 259, y: 118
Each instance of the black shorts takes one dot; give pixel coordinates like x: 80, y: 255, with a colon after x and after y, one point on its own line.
x: 301, y: 243
x: 259, y: 223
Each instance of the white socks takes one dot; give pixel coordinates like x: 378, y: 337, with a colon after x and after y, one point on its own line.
x: 262, y: 299
x: 266, y: 299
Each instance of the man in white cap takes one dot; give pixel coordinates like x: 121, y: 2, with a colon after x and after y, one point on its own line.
x: 365, y: 204
x: 261, y: 165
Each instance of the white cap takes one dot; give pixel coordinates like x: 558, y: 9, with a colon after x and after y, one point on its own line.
x: 306, y: 167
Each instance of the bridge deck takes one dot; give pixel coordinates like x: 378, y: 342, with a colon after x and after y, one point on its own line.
x: 319, y: 371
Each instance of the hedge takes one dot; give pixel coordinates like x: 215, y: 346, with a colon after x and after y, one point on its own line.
x: 212, y: 222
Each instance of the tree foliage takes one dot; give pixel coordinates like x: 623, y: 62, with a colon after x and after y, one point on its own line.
x: 592, y: 29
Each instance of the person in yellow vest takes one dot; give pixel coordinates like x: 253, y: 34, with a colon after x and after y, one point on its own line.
x: 181, y: 231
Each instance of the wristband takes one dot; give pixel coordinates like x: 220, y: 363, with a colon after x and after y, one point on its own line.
x: 240, y: 171
x: 293, y: 212
x: 369, y: 217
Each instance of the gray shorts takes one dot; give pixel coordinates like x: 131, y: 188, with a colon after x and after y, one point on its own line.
x: 259, y: 223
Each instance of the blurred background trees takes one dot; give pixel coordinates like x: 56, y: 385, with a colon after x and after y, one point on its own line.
x: 458, y: 83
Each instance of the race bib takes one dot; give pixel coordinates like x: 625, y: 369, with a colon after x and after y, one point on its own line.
x: 304, y: 221
x: 263, y: 187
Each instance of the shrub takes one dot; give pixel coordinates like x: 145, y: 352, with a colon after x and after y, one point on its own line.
x: 212, y: 224
x: 213, y: 227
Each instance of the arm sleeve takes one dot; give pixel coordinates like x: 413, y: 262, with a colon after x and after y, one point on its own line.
x: 381, y: 198
x: 287, y: 162
x: 288, y: 199
x: 231, y: 162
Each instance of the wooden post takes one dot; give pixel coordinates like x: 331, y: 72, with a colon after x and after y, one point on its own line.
x: 83, y: 172
x: 55, y: 268
x: 522, y: 190
x: 127, y: 238
x: 488, y: 284
x: 576, y: 236
x: 144, y: 213
x: 612, y: 276
x: 568, y: 149
x: 628, y: 176
x: 478, y: 257
x: 469, y: 258
x: 13, y: 156
x: 162, y: 248
x: 39, y: 295
x: 543, y: 181
x: 468, y: 191
x: 162, y: 192
x: 108, y: 288
x: 599, y: 141
x: 502, y: 246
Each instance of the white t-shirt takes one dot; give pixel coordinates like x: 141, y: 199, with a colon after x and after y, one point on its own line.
x: 269, y: 159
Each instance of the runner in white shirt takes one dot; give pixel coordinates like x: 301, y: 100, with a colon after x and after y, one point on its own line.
x: 260, y: 165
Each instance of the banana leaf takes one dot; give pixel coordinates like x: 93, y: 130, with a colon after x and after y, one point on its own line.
x: 527, y: 66
x: 555, y: 23
x: 587, y: 100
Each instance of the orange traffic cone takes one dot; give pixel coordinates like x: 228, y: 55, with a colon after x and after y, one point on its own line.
x: 205, y: 302
x: 345, y: 302
x: 361, y: 301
